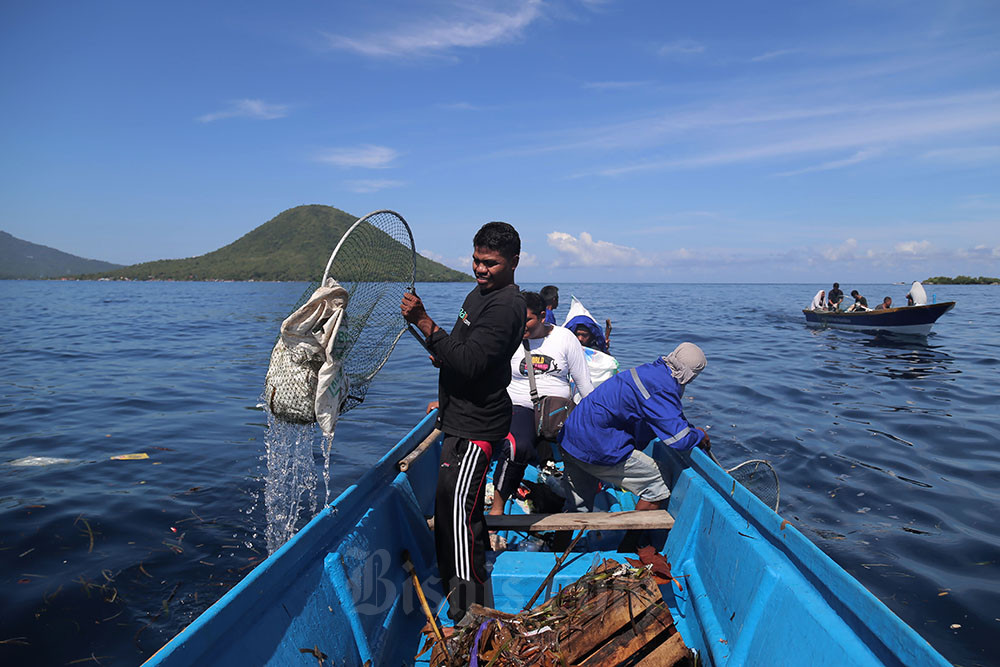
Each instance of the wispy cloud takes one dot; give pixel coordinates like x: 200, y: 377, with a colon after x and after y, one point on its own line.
x: 585, y: 251
x: 366, y: 186
x: 683, y: 47
x: 255, y: 109
x: 367, y: 156
x: 858, y: 157
x: 614, y: 85
x: 470, y: 25
x: 772, y: 55
x: 886, y: 124
x: 459, y: 106
x: 965, y: 154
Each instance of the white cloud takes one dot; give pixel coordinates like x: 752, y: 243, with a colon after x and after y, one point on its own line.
x: 841, y: 252
x: 367, y: 156
x: 913, y: 247
x: 858, y: 157
x: 362, y: 186
x: 471, y: 25
x: 463, y: 263
x: 683, y: 47
x: 585, y: 251
x: 255, y: 109
x: 527, y: 260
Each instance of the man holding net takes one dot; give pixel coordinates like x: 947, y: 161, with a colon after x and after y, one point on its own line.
x: 475, y: 410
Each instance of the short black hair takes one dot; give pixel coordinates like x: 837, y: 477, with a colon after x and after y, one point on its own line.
x: 550, y: 293
x: 534, y: 302
x: 498, y: 236
x: 836, y: 286
x: 854, y: 292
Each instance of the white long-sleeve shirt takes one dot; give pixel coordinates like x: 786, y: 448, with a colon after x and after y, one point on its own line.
x: 557, y: 357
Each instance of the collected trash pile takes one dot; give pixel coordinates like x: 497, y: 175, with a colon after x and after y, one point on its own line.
x: 613, y: 615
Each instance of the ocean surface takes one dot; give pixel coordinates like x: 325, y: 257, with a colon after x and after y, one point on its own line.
x: 888, y: 452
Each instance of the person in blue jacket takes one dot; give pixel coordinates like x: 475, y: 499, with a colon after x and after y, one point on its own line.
x: 602, y: 437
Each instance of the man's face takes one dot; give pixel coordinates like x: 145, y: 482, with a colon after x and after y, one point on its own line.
x: 492, y: 270
x: 534, y: 324
x: 583, y: 335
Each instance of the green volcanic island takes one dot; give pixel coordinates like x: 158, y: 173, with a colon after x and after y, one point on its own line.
x: 294, y: 245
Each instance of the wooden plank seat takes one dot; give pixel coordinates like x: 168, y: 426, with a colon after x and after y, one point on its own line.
x: 536, y: 523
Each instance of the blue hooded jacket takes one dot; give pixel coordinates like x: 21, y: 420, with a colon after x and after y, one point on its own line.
x: 616, y: 417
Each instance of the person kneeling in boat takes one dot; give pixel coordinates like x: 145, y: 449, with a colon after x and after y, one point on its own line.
x: 819, y: 301
x: 834, y: 298
x: 860, y: 303
x: 885, y: 305
x: 555, y: 356
x: 602, y: 436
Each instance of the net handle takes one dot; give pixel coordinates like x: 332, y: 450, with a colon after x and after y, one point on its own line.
x: 409, y: 232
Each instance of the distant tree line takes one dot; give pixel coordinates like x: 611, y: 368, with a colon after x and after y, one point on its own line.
x: 962, y: 280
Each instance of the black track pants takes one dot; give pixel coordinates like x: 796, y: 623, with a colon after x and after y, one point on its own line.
x: 460, y: 534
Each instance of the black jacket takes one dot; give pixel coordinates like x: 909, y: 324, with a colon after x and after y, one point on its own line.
x: 475, y: 364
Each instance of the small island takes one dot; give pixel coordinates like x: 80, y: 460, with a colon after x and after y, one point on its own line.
x: 962, y: 280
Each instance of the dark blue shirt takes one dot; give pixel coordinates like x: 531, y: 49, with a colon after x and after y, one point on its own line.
x: 616, y: 418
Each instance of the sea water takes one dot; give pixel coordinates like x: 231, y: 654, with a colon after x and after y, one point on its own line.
x: 886, y: 450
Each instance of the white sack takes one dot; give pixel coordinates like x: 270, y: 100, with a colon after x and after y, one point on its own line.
x: 304, y: 380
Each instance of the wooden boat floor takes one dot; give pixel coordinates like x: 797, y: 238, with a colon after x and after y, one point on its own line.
x: 649, y: 519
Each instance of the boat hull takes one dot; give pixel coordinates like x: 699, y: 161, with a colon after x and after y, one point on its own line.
x: 751, y: 588
x: 911, y: 320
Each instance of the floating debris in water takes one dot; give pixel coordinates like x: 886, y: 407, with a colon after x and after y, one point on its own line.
x: 130, y: 457
x: 37, y: 461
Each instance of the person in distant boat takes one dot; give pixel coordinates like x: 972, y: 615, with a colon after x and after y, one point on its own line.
x: 819, y: 301
x: 550, y: 293
x: 475, y: 409
x: 834, y: 298
x: 603, y: 437
x: 556, y: 356
x: 885, y: 305
x: 917, y: 296
x: 860, y: 303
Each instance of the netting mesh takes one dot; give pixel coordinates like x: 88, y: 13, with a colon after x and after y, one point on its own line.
x: 376, y: 263
x: 759, y: 478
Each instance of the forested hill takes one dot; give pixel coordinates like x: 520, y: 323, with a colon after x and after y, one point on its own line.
x: 294, y: 245
x: 962, y: 280
x: 24, y: 259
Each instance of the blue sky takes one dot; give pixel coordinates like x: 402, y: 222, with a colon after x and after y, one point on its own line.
x: 627, y: 141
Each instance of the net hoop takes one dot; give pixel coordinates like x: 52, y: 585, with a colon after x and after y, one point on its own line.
x: 360, y: 221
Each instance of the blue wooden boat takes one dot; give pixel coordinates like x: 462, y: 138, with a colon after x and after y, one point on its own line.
x: 908, y: 320
x: 756, y: 590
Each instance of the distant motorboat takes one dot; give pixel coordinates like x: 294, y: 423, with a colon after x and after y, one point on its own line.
x: 909, y: 320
